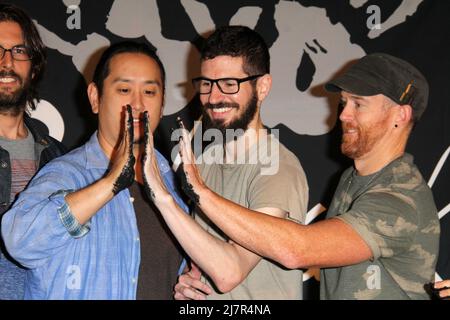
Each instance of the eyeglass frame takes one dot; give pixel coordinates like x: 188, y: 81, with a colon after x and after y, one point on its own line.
x: 216, y: 81
x: 30, y: 56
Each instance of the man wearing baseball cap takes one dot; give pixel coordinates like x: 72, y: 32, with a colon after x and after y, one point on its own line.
x: 383, y: 198
x: 381, y: 236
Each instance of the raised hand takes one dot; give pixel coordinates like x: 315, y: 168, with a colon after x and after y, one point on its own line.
x: 122, y: 169
x: 191, y: 181
x: 153, y: 183
x: 189, y: 286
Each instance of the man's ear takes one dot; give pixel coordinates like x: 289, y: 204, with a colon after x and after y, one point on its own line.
x: 263, y: 86
x: 404, y: 114
x: 93, y: 96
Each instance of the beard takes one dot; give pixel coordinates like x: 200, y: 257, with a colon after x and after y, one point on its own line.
x: 359, y: 144
x: 240, y: 123
x: 14, y: 102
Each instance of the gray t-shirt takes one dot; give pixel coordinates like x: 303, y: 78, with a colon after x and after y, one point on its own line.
x: 23, y: 162
x: 244, y: 184
x: 23, y: 167
x: 394, y: 212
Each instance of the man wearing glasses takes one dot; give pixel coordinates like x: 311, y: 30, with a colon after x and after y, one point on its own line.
x: 24, y: 146
x: 234, y: 82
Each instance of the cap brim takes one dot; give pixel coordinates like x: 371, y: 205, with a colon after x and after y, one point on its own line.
x: 353, y: 85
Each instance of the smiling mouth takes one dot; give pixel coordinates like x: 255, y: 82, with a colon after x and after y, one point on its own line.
x: 221, y: 110
x: 7, y: 80
x: 136, y: 120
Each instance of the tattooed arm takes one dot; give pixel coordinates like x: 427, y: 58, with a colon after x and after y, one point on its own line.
x: 86, y: 202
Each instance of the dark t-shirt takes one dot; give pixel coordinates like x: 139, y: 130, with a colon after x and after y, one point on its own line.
x: 160, y: 252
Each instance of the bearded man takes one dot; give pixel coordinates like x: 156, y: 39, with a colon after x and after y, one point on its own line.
x: 381, y: 236
x: 234, y: 176
x: 24, y: 145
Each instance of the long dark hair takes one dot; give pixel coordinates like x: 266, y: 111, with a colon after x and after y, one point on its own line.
x: 33, y: 42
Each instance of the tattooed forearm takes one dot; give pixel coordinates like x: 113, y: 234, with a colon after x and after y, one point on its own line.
x: 126, y: 177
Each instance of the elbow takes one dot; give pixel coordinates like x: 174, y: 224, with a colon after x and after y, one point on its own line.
x: 14, y: 245
x: 226, y: 285
x: 227, y: 281
x: 292, y: 258
x: 12, y: 248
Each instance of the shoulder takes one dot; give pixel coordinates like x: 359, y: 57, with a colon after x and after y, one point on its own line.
x: 57, y: 146
x: 73, y: 161
x: 41, y: 135
x: 288, y: 162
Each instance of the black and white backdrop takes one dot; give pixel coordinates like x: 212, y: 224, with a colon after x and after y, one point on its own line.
x: 309, y: 40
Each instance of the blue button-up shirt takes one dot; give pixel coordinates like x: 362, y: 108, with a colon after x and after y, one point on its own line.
x: 103, y: 263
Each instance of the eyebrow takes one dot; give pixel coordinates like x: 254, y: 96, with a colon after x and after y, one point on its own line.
x: 15, y: 46
x: 357, y: 98
x: 156, y: 82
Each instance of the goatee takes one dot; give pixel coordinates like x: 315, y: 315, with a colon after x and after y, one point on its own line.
x: 357, y: 145
x: 14, y: 103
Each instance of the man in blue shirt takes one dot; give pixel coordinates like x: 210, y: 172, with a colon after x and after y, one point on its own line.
x: 84, y: 226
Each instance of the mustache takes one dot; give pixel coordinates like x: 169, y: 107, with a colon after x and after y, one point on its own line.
x: 346, y: 126
x: 221, y: 105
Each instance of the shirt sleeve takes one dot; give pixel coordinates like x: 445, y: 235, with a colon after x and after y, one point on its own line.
x: 66, y: 217
x: 32, y: 229
x: 286, y: 190
x: 386, y: 222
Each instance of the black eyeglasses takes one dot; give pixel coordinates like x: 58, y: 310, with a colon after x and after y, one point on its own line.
x: 225, y: 85
x: 19, y: 53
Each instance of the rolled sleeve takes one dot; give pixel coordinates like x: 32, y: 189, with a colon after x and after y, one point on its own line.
x: 385, y: 222
x: 364, y: 233
x: 73, y: 227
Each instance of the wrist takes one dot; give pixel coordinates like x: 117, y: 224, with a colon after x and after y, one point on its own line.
x: 163, y: 199
x: 107, y: 184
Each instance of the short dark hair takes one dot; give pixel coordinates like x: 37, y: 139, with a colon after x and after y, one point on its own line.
x: 33, y: 41
x: 239, y: 41
x: 102, y: 70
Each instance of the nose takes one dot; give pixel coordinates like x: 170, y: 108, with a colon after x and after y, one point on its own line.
x: 137, y: 103
x: 216, y: 95
x: 346, y: 114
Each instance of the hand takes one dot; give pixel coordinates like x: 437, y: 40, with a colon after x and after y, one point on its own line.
x: 151, y: 174
x: 442, y: 289
x: 189, y: 286
x: 122, y: 168
x: 191, y: 181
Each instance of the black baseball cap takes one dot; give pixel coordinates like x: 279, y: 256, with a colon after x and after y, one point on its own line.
x: 380, y: 73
